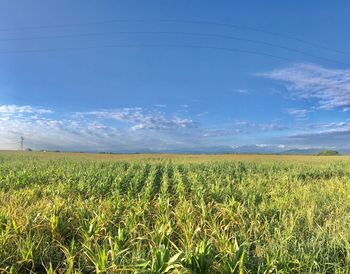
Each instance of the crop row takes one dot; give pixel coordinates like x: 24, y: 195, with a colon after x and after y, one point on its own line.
x: 75, y: 216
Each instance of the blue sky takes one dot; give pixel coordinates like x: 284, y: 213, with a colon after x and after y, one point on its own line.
x: 174, y: 75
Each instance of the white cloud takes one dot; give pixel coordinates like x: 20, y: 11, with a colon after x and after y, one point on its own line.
x: 329, y: 87
x: 96, y: 130
x: 261, y: 145
x: 249, y: 126
x: 329, y: 126
x: 243, y: 128
x: 202, y: 114
x: 321, y: 134
x: 300, y: 114
x: 137, y: 129
x: 141, y: 119
x: 242, y: 91
x: 329, y: 138
x: 14, y: 109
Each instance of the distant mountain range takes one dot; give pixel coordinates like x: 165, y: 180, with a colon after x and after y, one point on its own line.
x: 302, y: 151
x: 290, y: 151
x: 247, y: 149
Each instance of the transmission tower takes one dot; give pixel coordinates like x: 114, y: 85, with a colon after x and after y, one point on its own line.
x: 22, y: 142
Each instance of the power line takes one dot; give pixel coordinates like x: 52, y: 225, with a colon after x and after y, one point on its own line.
x: 262, y: 31
x: 235, y: 26
x: 147, y: 46
x: 194, y: 34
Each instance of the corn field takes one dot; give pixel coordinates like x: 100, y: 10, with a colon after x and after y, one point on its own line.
x: 70, y: 215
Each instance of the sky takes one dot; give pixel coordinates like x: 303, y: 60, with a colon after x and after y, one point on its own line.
x: 161, y: 75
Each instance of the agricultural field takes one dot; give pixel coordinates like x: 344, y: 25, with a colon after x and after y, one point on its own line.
x: 81, y: 213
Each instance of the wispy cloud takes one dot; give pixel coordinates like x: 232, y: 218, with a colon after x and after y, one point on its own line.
x: 243, y: 127
x: 242, y: 91
x: 321, y: 134
x: 143, y: 119
x: 14, y: 109
x: 329, y: 87
x: 331, y: 138
x: 329, y: 126
x: 160, y: 105
x: 138, y: 129
x: 249, y: 126
x: 201, y: 114
x: 128, y: 129
x: 300, y: 114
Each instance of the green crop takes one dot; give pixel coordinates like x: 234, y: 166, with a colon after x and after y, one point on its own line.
x: 172, y: 215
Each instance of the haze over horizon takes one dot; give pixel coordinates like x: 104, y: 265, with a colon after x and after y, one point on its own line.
x: 174, y: 76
